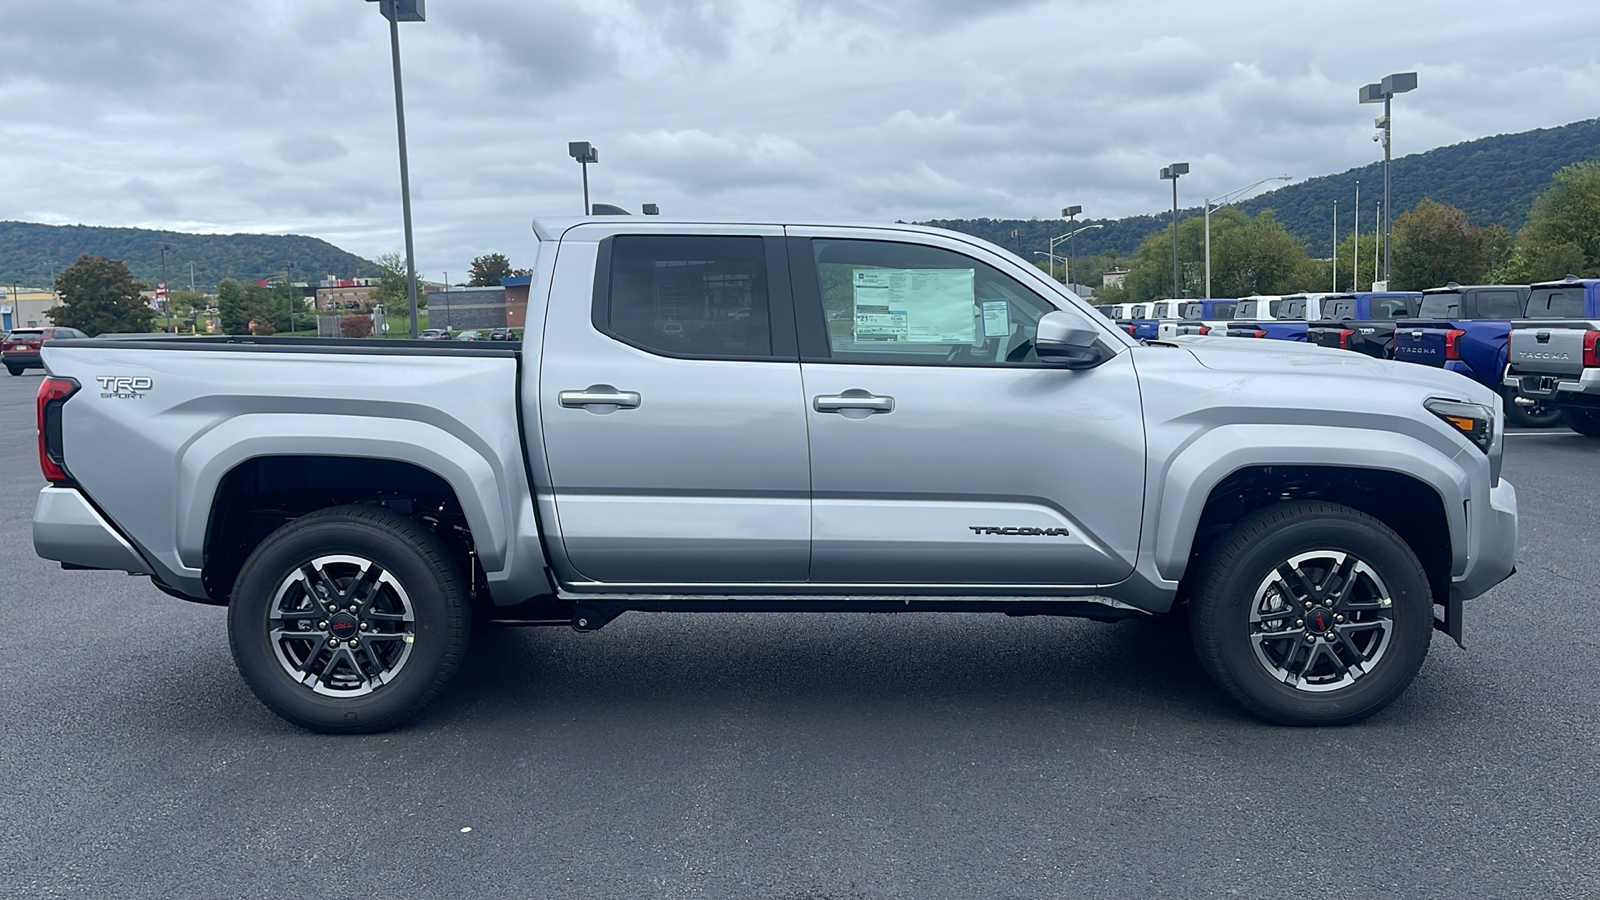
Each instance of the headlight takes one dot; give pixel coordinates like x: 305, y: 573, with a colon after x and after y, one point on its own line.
x: 1474, y: 420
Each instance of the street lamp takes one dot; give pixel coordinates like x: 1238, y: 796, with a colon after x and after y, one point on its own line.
x: 288, y: 290
x: 585, y: 153
x: 1171, y: 173
x: 1071, y: 215
x: 1222, y: 201
x: 1067, y: 237
x: 1384, y: 91
x: 397, y: 11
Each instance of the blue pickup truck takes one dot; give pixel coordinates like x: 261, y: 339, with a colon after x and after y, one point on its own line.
x: 1468, y: 330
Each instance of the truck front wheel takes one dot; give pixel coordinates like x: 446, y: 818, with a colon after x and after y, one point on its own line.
x: 348, y: 620
x: 1312, y: 613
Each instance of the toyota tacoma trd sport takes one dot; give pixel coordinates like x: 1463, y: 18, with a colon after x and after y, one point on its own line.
x: 779, y: 417
x: 1555, y: 352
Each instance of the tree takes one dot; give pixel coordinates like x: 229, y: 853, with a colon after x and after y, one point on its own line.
x: 391, y: 287
x: 1434, y: 244
x: 488, y: 269
x: 99, y: 296
x: 1248, y: 256
x: 230, y: 307
x: 1562, y: 236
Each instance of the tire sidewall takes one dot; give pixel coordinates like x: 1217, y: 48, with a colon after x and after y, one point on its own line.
x: 436, y: 604
x: 1222, y: 620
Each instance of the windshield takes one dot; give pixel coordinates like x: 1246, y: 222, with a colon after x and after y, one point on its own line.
x: 1556, y: 303
x: 1443, y: 305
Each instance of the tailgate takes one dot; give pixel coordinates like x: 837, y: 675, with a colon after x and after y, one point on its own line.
x: 1423, y: 345
x: 1548, y: 351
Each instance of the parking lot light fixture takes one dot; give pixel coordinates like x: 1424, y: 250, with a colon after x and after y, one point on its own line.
x: 585, y: 153
x: 1383, y: 92
x: 1172, y: 173
x: 397, y: 11
x: 1222, y: 201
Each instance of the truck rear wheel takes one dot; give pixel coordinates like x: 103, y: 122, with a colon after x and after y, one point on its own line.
x: 1584, y: 421
x: 1312, y: 613
x: 348, y: 620
x: 1541, y: 416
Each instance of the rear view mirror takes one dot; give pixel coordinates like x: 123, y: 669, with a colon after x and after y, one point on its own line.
x: 1067, y: 339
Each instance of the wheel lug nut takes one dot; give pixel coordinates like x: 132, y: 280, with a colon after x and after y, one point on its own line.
x: 365, y: 626
x: 1308, y: 604
x: 1311, y: 639
x: 1299, y: 623
x: 1338, y: 618
x: 323, y: 625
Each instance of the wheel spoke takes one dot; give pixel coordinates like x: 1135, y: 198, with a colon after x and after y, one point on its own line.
x: 365, y: 589
x: 1293, y: 577
x: 1342, y: 579
x: 319, y: 586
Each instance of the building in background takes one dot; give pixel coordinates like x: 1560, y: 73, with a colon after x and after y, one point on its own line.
x: 22, y: 307
x: 1114, y: 277
x: 517, y: 288
x: 464, y: 308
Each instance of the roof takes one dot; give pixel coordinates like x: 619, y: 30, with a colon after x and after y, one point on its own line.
x: 551, y: 228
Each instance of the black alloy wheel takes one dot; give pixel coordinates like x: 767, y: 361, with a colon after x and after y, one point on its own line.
x: 1312, y: 613
x: 348, y: 620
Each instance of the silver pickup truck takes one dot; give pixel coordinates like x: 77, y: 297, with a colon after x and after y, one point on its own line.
x: 779, y: 417
x: 1553, y: 358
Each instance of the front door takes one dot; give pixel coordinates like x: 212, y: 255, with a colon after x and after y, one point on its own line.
x: 673, y: 414
x: 943, y: 451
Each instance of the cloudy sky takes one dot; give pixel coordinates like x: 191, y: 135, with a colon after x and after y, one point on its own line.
x: 277, y: 116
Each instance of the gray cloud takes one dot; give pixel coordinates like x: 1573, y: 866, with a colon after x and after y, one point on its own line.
x: 277, y: 115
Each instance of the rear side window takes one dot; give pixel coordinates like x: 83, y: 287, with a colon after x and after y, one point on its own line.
x: 1446, y: 305
x: 1556, y: 303
x: 698, y: 296
x: 1499, y: 305
x: 1391, y: 307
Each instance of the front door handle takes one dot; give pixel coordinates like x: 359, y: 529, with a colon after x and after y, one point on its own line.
x: 601, y: 398
x: 854, y: 403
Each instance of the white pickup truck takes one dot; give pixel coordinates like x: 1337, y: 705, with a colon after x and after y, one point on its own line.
x: 775, y: 416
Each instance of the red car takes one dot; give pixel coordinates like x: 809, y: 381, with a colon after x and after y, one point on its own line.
x: 20, y: 349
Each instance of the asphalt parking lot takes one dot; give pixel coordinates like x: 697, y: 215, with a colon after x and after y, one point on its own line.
x: 798, y: 757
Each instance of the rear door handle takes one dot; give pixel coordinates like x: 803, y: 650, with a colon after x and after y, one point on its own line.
x: 598, y: 397
x: 854, y: 403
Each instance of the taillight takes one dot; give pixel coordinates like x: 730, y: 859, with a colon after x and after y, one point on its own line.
x: 1451, y: 351
x: 1205, y: 329
x: 1260, y: 333
x: 53, y: 395
x: 1130, y: 328
x: 1345, y: 335
x: 1591, y: 349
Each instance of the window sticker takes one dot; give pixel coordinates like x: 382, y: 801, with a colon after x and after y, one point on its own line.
x: 996, y: 318
x: 918, y: 306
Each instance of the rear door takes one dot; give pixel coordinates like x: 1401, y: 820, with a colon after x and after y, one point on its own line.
x: 673, y: 419
x: 943, y: 451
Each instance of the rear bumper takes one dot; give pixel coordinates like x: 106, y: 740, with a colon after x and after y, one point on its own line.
x: 1493, y: 554
x: 1581, y: 390
x: 22, y: 360
x: 69, y: 530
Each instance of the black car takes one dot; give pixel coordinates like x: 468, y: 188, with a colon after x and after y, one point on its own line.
x: 502, y: 334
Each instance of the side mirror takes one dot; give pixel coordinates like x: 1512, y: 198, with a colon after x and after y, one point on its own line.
x: 1067, y: 339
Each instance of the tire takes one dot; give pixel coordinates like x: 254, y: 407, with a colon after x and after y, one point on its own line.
x: 1346, y: 656
x: 1540, y: 416
x: 400, y: 639
x: 1584, y: 421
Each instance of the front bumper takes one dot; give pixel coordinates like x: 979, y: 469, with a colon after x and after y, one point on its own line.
x: 1493, y: 554
x: 66, y: 528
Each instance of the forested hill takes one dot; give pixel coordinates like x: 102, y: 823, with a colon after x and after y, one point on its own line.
x: 1493, y: 179
x: 30, y: 253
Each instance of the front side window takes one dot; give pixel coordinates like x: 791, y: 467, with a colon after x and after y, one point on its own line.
x: 703, y: 296
x: 917, y: 305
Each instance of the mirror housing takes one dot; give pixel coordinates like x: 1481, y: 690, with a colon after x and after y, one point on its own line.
x: 1067, y: 339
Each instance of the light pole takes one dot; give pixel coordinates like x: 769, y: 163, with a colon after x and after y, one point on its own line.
x: 1385, y: 90
x: 191, y: 278
x: 1071, y: 213
x: 1171, y: 173
x: 1355, y: 251
x: 1336, y: 246
x: 1066, y: 237
x: 585, y: 153
x: 397, y: 11
x: 1222, y: 201
x: 288, y: 290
